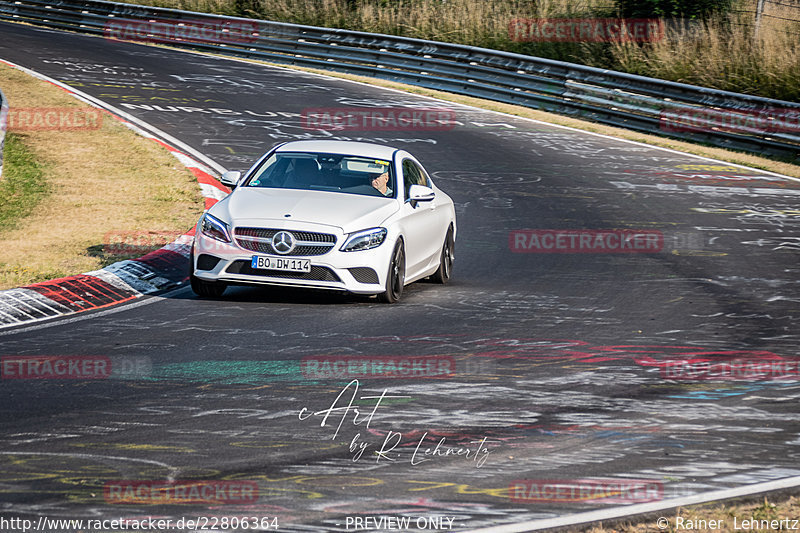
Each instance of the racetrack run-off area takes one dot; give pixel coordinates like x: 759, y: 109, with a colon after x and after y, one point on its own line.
x: 622, y: 321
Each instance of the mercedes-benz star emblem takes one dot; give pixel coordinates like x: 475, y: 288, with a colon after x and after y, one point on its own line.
x: 283, y: 242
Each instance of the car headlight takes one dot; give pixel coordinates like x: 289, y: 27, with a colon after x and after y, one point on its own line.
x: 215, y: 228
x: 365, y: 240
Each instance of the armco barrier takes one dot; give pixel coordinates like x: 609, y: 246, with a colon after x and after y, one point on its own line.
x: 688, y: 112
x: 3, y: 117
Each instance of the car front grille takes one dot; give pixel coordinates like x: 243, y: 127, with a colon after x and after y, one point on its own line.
x: 307, y: 243
x: 318, y: 273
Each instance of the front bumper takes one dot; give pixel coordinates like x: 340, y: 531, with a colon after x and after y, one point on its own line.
x: 362, y: 272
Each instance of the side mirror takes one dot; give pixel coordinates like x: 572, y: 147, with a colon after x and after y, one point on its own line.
x: 230, y: 178
x: 420, y: 193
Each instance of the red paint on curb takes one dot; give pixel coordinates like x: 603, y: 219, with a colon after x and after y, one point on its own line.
x: 82, y: 292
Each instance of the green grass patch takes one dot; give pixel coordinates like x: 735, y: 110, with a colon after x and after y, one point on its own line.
x: 23, y: 185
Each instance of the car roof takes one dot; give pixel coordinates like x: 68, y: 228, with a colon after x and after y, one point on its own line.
x: 377, y: 151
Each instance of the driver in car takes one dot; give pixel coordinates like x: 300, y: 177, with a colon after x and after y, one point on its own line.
x: 382, y: 184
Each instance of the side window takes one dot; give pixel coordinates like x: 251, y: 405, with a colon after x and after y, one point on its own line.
x: 412, y: 175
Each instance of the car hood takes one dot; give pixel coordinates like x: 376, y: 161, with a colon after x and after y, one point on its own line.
x: 349, y: 212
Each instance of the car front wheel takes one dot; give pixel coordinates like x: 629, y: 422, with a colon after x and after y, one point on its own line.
x: 396, y: 277
x: 207, y: 289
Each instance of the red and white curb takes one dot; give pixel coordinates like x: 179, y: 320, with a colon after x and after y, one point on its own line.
x: 124, y: 280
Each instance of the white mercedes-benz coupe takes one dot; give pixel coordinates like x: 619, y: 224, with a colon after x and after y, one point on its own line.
x: 348, y: 216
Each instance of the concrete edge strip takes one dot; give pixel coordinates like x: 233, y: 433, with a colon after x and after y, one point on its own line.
x: 124, y: 280
x: 641, y: 508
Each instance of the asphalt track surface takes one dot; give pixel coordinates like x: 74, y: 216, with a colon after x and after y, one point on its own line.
x: 559, y: 357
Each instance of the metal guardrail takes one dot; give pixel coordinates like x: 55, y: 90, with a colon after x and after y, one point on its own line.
x: 721, y: 118
x: 3, y: 126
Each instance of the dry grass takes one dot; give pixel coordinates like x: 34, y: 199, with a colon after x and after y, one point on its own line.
x: 99, y: 181
x: 721, y: 52
x: 723, y: 515
x: 725, y: 52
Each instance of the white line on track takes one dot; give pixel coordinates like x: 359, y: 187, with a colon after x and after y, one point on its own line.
x: 640, y: 508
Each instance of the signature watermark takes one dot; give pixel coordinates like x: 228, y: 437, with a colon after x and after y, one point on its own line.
x: 476, y: 451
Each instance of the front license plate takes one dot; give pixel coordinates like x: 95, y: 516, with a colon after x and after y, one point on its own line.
x: 265, y: 262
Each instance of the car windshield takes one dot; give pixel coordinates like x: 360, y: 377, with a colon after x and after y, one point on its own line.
x: 326, y: 172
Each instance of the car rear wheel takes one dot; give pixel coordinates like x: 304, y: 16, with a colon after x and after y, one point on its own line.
x: 396, y: 277
x: 446, y: 259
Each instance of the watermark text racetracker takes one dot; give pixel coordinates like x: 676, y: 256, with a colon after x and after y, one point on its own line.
x: 378, y: 119
x: 53, y: 119
x: 340, y: 367
x: 197, y: 31
x: 586, y: 490
x: 137, y: 242
x: 585, y: 30
x: 734, y: 370
x: 611, y: 241
x: 180, y: 492
x: 81, y: 367
x: 741, y: 121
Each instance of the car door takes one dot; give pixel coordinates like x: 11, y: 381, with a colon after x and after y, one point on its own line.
x: 424, y: 236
